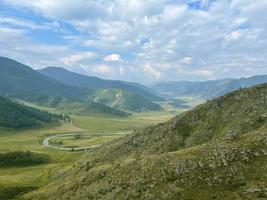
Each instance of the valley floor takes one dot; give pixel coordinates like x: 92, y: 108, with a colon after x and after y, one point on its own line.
x: 17, y: 180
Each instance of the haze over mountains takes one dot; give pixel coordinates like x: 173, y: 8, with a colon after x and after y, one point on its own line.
x: 206, y: 89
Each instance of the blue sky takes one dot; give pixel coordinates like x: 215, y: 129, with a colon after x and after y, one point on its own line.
x: 137, y: 40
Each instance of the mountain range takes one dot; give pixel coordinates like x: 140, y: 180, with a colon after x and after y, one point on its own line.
x: 22, y: 82
x: 74, y: 79
x: 206, y: 89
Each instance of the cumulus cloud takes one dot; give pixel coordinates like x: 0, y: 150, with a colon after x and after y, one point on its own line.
x: 78, y: 57
x: 187, y: 60
x: 102, y: 69
x: 112, y: 58
x: 64, y: 9
x: 150, y: 71
x: 159, y: 39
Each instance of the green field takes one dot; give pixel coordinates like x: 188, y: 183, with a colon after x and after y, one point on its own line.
x: 85, y: 139
x: 99, y: 124
x: 96, y: 130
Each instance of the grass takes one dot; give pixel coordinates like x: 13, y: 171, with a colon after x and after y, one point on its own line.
x: 32, y: 140
x: 137, y: 120
x: 86, y: 139
x: 15, y: 180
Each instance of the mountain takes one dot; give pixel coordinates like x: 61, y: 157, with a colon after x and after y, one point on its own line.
x: 206, y: 89
x: 14, y: 115
x: 18, y: 80
x: 215, y: 151
x: 79, y: 80
x: 22, y: 82
x: 124, y: 100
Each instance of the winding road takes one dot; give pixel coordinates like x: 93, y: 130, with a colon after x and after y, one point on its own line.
x: 46, y: 144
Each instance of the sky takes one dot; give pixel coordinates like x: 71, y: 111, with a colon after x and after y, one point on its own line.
x: 138, y: 40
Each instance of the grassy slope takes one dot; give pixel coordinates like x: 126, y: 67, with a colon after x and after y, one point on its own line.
x: 33, y: 176
x: 21, y: 81
x: 79, y: 80
x: 215, y: 151
x: 90, y: 109
x: 124, y: 100
x: 108, y: 124
x: 15, y: 180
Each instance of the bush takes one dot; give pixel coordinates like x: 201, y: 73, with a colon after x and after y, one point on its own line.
x: 22, y: 159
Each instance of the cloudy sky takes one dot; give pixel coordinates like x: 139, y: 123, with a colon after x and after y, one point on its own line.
x: 138, y: 40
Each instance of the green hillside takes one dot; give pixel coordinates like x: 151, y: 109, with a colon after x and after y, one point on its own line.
x: 79, y: 80
x: 13, y: 115
x: 22, y: 82
x: 90, y: 109
x: 18, y: 80
x: 124, y: 100
x: 70, y: 106
x: 214, y: 151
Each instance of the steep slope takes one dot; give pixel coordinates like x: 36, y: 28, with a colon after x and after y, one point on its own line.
x: 79, y: 80
x: 13, y: 115
x: 206, y: 89
x: 124, y: 100
x: 21, y: 81
x: 216, y: 151
x: 235, y: 113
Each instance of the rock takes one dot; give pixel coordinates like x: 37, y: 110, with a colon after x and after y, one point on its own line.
x: 231, y: 136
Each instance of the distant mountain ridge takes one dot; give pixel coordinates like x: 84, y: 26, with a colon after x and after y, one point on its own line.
x: 206, y: 89
x: 22, y: 82
x: 74, y: 79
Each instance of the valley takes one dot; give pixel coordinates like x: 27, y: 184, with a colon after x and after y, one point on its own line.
x: 16, y: 180
x: 133, y: 100
x: 217, y: 153
x: 72, y: 136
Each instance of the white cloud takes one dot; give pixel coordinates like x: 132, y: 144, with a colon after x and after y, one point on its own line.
x: 155, y: 35
x: 235, y: 35
x: 173, y: 12
x: 121, y: 70
x: 202, y: 73
x: 150, y: 71
x: 112, y: 58
x: 102, y: 69
x: 78, y: 57
x: 18, y: 45
x: 187, y: 60
x: 64, y: 9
